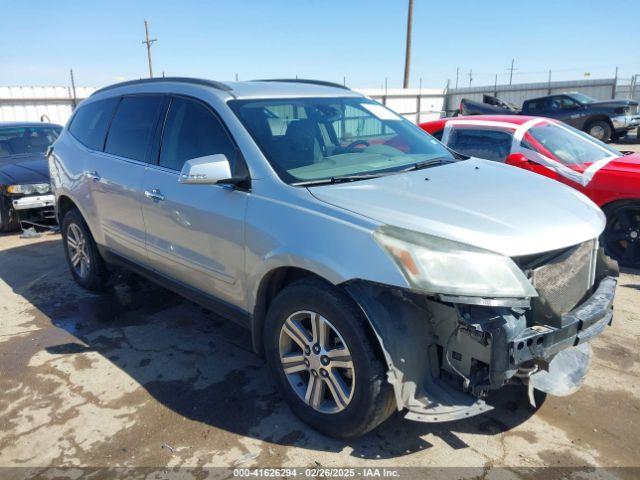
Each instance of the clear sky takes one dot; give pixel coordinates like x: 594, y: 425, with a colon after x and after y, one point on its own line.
x: 326, y: 39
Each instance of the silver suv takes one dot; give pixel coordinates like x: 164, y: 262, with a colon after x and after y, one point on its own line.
x: 376, y: 269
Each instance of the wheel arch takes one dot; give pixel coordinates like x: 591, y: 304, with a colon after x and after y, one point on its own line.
x: 277, y: 280
x: 272, y: 283
x: 63, y: 205
x: 596, y: 118
x: 613, y: 204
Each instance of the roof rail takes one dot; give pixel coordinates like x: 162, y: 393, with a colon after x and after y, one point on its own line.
x: 304, y: 80
x: 196, y: 81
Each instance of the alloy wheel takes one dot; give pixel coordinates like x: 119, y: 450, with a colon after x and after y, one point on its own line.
x: 317, y: 362
x: 597, y: 132
x: 78, y: 251
x: 623, y: 236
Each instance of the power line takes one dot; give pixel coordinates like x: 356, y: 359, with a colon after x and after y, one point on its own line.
x: 149, y: 42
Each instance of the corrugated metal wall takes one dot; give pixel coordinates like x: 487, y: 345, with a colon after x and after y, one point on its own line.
x: 600, y: 89
x: 415, y: 104
x: 55, y: 104
x: 49, y: 104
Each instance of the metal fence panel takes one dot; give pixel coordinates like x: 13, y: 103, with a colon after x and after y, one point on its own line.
x: 601, y: 89
x: 35, y: 104
x: 56, y: 104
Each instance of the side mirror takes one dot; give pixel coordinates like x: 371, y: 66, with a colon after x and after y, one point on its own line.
x: 518, y: 160
x: 207, y: 170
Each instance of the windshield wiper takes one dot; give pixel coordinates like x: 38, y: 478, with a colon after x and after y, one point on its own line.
x: 427, y: 163
x: 340, y: 179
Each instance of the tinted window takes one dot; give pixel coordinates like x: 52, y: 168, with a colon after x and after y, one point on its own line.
x: 90, y: 122
x: 540, y: 104
x: 563, y: 103
x: 192, y: 131
x: 437, y: 135
x: 132, y: 127
x: 487, y: 144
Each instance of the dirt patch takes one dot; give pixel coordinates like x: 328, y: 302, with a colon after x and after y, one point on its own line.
x: 622, y: 357
x: 604, y: 420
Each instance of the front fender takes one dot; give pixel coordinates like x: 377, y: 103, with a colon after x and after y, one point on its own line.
x: 287, y: 234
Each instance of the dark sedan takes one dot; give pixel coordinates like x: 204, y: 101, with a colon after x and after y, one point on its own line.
x: 25, y: 192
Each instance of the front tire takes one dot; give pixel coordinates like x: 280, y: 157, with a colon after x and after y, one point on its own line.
x: 80, y: 249
x: 324, y: 363
x: 600, y: 130
x: 622, y: 234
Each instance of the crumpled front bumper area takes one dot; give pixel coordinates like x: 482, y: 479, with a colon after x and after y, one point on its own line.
x: 580, y: 325
x: 443, y: 358
x: 35, y: 209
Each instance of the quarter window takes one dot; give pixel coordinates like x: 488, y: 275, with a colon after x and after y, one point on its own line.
x: 132, y: 127
x: 481, y: 143
x: 192, y: 131
x: 90, y: 123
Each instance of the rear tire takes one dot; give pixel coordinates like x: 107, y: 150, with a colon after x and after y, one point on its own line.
x: 9, y: 220
x: 365, y: 399
x: 85, y: 263
x: 600, y: 130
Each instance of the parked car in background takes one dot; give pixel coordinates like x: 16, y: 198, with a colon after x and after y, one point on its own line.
x: 604, y: 120
x: 548, y: 147
x: 25, y: 192
x: 376, y: 269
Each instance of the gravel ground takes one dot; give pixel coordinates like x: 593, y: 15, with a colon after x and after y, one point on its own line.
x: 139, y: 377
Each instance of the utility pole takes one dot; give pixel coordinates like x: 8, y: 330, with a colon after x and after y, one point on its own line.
x: 149, y: 42
x: 549, y: 84
x: 470, y: 77
x: 495, y: 86
x: 511, y: 71
x: 73, y: 89
x: 457, y: 73
x: 615, y: 85
x: 407, y: 57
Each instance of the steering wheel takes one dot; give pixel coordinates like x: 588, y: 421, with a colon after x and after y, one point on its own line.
x: 349, y: 148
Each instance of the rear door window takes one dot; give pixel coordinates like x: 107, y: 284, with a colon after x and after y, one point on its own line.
x: 481, y: 143
x: 90, y: 122
x: 192, y: 131
x: 133, y: 125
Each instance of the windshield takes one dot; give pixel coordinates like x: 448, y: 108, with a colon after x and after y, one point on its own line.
x: 27, y: 139
x: 582, y: 98
x: 569, y: 145
x: 312, y: 139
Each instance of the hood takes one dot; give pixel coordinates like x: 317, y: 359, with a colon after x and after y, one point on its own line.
x: 613, y: 103
x: 477, y: 202
x: 625, y: 164
x: 27, y: 168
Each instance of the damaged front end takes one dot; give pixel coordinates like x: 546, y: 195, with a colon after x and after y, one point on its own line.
x: 445, y: 352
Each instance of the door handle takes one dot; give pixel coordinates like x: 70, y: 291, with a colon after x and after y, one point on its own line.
x: 154, y: 195
x: 95, y: 176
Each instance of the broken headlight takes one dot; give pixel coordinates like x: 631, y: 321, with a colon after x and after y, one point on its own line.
x: 437, y: 265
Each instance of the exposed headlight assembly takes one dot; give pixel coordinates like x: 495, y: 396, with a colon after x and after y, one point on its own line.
x: 436, y: 265
x: 29, y: 188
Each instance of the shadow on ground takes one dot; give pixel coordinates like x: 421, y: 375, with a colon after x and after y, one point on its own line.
x: 200, y: 366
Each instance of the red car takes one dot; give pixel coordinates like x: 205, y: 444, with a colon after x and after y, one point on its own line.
x: 551, y: 148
